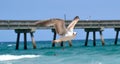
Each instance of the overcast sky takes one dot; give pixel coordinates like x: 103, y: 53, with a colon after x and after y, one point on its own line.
x: 45, y: 9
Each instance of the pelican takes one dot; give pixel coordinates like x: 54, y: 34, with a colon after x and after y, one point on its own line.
x: 65, y: 33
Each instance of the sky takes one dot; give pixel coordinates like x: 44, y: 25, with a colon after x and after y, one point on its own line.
x: 46, y: 9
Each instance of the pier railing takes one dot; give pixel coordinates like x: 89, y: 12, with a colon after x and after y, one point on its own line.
x: 29, y: 24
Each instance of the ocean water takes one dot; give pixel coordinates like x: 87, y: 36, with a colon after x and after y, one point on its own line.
x: 45, y: 54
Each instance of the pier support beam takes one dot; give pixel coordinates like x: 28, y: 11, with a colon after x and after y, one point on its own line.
x: 17, y: 42
x: 33, y: 40
x: 116, y: 39
x: 117, y: 33
x: 25, y: 31
x: 86, y: 41
x: 94, y: 30
x: 25, y: 41
x: 94, y: 38
x: 102, y: 39
x: 54, y: 37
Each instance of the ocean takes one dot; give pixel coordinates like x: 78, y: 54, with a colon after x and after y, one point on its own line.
x: 45, y: 54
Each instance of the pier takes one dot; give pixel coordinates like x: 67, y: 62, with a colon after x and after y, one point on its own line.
x: 28, y: 26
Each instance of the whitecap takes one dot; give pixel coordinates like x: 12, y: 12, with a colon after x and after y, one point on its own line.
x: 11, y: 45
x: 16, y: 57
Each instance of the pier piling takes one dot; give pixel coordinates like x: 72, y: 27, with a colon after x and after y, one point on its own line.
x: 102, y: 39
x: 18, y: 39
x: 25, y: 31
x: 116, y: 39
x: 25, y: 41
x: 86, y: 41
x: 54, y: 37
x: 33, y: 40
x: 117, y: 33
x: 94, y: 30
x: 94, y: 38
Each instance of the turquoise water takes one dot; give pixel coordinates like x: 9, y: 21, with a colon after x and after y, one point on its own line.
x: 45, y: 54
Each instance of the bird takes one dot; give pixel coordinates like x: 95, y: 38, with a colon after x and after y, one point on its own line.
x: 65, y: 33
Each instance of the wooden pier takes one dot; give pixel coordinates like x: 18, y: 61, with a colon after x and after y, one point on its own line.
x: 28, y: 26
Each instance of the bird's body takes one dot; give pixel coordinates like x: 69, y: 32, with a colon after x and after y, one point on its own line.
x: 66, y: 33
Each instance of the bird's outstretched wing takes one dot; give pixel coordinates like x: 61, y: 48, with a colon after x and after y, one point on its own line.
x: 58, y: 24
x: 73, y: 23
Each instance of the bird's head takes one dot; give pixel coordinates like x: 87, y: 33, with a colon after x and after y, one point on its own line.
x: 76, y: 18
x: 75, y: 33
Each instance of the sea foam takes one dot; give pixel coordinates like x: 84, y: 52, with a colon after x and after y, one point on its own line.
x: 9, y: 45
x: 16, y: 57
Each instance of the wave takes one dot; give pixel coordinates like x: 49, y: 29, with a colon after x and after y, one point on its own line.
x: 9, y: 45
x: 16, y: 57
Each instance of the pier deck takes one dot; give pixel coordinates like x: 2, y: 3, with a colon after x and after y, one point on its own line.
x: 28, y: 24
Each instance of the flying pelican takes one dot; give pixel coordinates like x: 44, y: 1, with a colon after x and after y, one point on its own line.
x: 67, y: 34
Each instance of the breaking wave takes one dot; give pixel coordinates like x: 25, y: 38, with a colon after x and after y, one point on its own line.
x: 16, y: 57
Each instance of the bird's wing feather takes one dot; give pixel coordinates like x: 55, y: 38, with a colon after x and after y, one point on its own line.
x: 66, y: 38
x: 72, y: 24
